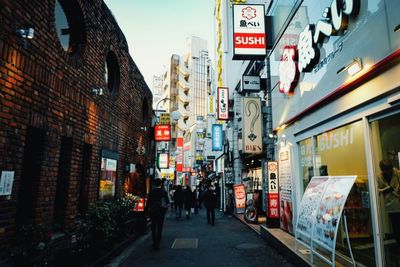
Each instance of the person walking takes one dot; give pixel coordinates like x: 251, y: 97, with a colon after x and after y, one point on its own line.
x: 157, y: 202
x: 178, y: 201
x: 188, y: 201
x: 210, y: 202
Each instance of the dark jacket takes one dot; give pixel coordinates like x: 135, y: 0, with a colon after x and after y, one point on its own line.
x: 178, y: 197
x: 188, y: 198
x: 210, y: 198
x: 154, y: 201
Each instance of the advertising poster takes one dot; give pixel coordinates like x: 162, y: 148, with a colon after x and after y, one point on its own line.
x: 330, y: 210
x: 285, y: 189
x: 273, y: 191
x: 252, y: 125
x: 309, y: 204
x: 240, y: 197
x: 108, y: 176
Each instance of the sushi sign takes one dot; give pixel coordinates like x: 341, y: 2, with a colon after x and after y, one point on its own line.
x: 249, y: 40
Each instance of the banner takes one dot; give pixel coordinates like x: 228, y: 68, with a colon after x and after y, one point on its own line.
x: 285, y: 192
x: 217, y: 137
x: 223, y: 103
x: 179, y: 154
x: 252, y: 125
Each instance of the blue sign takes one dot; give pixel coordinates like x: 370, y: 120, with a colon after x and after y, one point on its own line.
x: 217, y: 135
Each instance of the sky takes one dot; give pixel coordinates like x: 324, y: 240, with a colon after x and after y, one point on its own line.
x: 156, y: 29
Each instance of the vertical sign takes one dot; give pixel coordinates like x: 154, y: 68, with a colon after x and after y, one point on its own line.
x: 252, y: 125
x: 273, y: 191
x: 6, y: 182
x: 240, y: 197
x: 223, y: 103
x: 211, y: 110
x: 163, y: 160
x: 179, y: 154
x: 217, y: 137
x: 285, y: 192
x: 249, y: 40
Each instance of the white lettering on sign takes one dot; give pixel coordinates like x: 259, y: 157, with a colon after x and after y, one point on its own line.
x: 335, y: 20
x: 288, y: 73
x: 334, y: 140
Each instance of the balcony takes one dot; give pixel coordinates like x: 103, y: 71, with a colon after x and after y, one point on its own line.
x: 184, y: 70
x: 185, y: 112
x: 183, y: 84
x: 183, y: 97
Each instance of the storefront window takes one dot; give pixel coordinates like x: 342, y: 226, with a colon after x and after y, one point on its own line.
x: 342, y: 152
x: 386, y: 149
x: 108, y: 176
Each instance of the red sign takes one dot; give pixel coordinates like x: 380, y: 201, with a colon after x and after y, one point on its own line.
x: 179, y: 154
x: 273, y: 205
x: 162, y: 132
x: 139, y: 205
x: 288, y: 72
x: 249, y: 40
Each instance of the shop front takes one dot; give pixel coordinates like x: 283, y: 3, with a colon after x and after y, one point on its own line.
x: 336, y: 115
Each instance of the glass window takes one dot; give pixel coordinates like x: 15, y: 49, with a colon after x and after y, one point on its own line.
x: 338, y: 152
x: 69, y: 24
x: 386, y: 148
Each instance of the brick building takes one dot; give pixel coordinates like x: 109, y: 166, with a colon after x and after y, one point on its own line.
x: 74, y: 111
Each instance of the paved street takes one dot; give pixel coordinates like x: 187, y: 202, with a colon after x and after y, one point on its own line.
x: 195, y: 243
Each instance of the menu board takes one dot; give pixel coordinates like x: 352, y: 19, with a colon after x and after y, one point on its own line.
x: 330, y: 210
x: 285, y: 189
x: 309, y: 205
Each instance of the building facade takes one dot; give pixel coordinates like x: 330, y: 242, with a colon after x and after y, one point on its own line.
x: 335, y: 113
x: 74, y: 111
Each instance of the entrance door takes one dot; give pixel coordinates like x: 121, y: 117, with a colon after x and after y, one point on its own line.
x: 385, y: 133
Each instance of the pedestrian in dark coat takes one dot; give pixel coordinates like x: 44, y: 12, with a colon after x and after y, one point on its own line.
x: 188, y: 201
x: 178, y: 201
x: 157, y: 203
x: 210, y: 202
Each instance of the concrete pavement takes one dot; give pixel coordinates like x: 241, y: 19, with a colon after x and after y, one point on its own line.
x: 193, y: 242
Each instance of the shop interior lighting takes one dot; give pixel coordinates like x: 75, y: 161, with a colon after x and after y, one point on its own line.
x: 26, y: 33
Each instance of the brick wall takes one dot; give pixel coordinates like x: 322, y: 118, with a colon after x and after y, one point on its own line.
x: 43, y: 87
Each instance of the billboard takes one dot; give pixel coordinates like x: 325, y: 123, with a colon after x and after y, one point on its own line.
x: 223, y: 103
x: 252, y: 125
x: 249, y: 40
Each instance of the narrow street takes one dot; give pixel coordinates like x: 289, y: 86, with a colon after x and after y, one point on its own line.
x: 193, y: 242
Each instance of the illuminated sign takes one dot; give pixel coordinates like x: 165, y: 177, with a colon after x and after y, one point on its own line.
x: 223, y: 103
x: 165, y: 118
x: 162, y: 132
x: 179, y: 154
x: 163, y: 160
x: 249, y: 40
x: 217, y: 135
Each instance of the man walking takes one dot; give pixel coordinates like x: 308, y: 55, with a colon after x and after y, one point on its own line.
x: 157, y: 202
x: 210, y: 201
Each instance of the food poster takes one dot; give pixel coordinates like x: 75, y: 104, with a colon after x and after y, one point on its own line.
x: 309, y: 205
x: 330, y: 210
x: 285, y: 189
x: 240, y: 197
x: 108, y: 177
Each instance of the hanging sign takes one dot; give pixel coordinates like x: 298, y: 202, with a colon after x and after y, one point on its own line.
x: 223, y: 103
x: 249, y: 41
x: 179, y: 154
x: 162, y: 132
x: 165, y: 118
x: 252, y: 125
x: 217, y: 135
x: 163, y: 160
